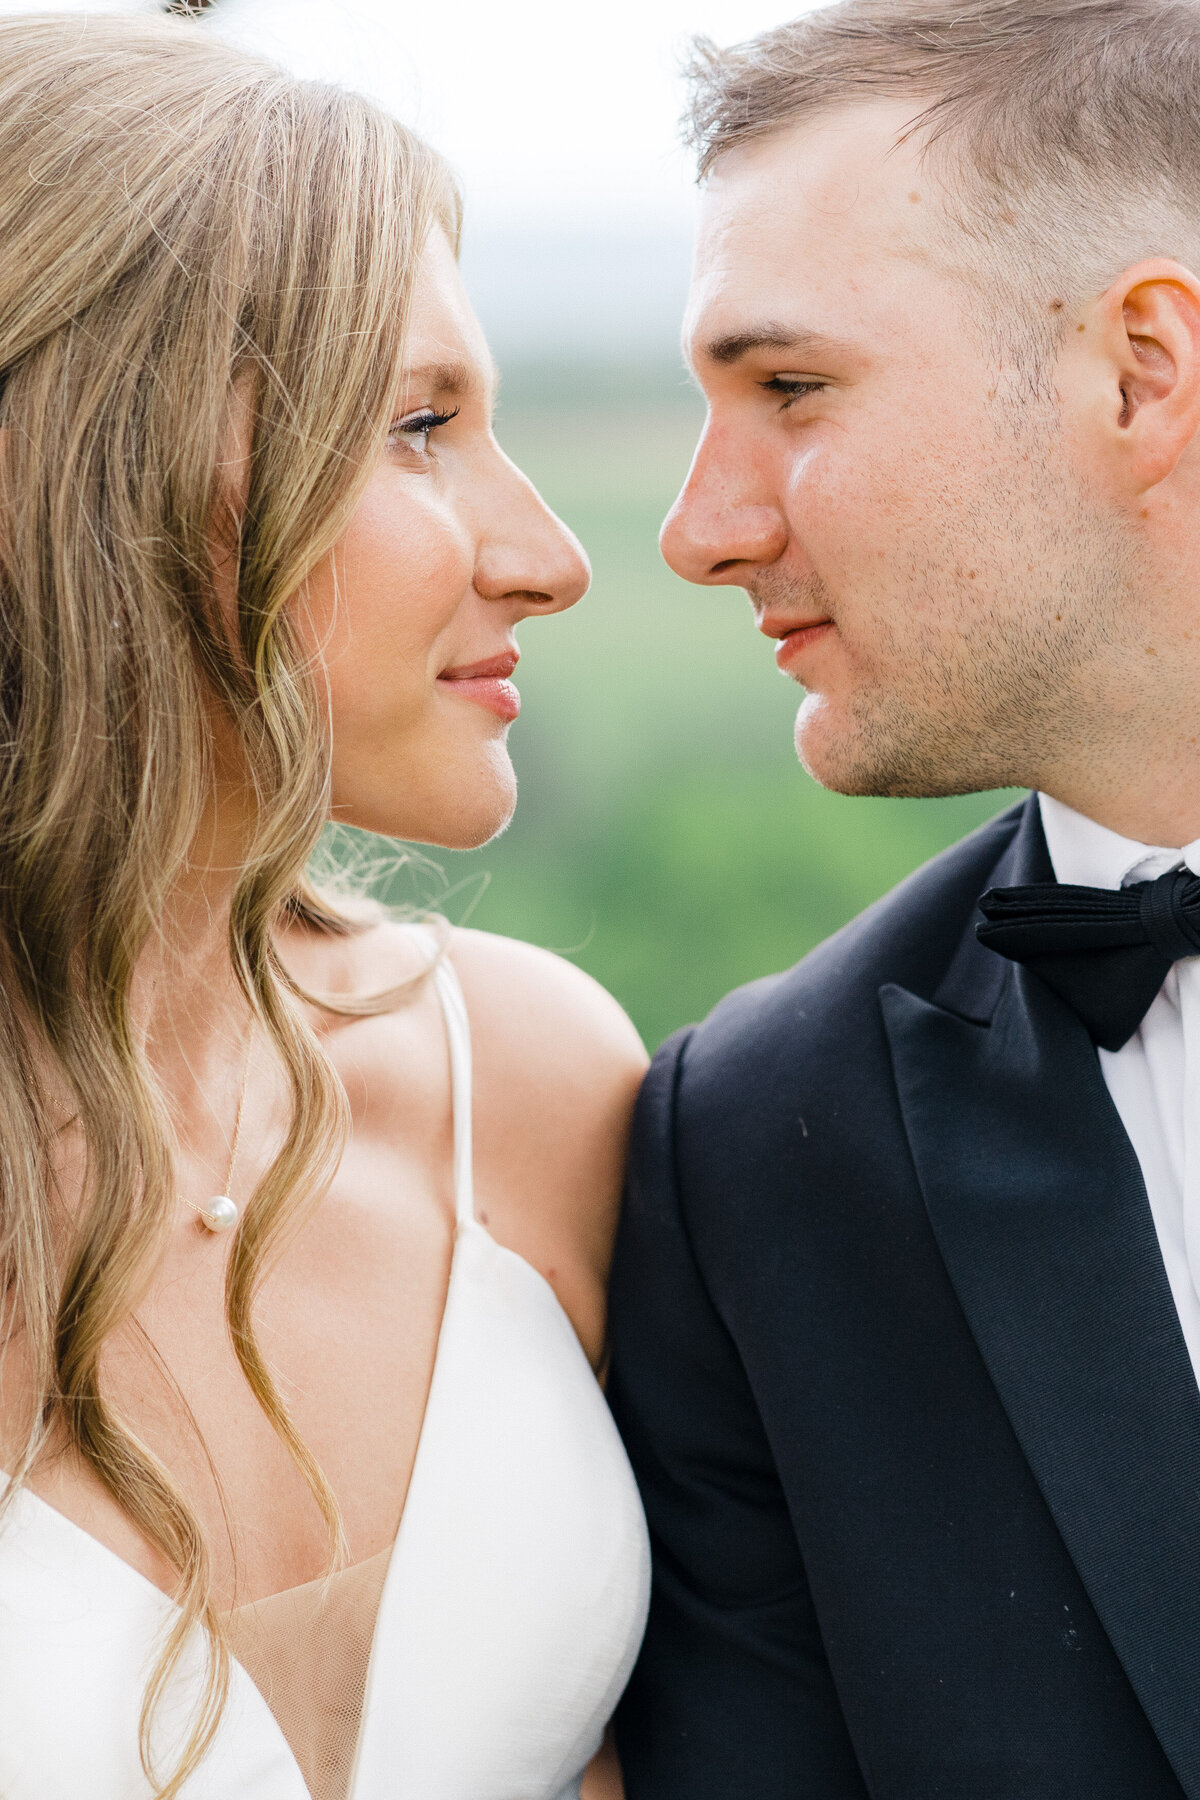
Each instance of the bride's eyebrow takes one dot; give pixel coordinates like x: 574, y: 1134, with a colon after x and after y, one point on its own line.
x: 453, y: 379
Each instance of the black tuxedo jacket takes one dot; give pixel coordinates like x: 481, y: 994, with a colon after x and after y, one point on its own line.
x: 898, y: 1367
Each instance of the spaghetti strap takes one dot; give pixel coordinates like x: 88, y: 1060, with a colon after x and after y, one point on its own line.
x: 519, y: 1522
x: 458, y: 1033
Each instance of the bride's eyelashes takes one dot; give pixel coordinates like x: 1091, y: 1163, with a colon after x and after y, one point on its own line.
x: 414, y: 430
x: 792, y: 387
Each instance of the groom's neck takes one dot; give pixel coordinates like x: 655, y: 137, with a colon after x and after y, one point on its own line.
x: 1151, y: 796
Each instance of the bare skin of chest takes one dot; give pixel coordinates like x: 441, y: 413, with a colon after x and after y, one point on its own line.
x: 348, y: 1320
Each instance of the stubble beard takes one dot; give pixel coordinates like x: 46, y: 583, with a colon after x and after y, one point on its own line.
x: 956, y: 686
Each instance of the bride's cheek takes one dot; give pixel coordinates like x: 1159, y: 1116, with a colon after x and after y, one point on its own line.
x: 407, y: 595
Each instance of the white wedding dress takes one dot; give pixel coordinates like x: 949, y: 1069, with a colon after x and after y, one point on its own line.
x: 479, y: 1659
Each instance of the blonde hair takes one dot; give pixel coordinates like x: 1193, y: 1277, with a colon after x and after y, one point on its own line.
x: 1066, y: 132
x: 179, y: 224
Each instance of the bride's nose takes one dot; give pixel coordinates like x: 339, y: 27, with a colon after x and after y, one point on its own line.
x: 527, y: 553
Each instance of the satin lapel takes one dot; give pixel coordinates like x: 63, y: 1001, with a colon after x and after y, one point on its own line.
x: 1041, y: 1215
x: 975, y: 978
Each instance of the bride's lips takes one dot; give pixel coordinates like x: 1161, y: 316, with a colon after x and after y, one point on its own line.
x: 487, y: 684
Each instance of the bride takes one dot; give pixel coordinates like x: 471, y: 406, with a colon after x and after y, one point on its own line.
x: 310, y: 1490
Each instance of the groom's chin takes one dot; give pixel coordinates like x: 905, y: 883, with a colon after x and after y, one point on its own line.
x: 835, y: 749
x: 884, y: 750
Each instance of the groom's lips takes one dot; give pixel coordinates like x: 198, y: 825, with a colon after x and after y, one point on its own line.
x: 795, y: 639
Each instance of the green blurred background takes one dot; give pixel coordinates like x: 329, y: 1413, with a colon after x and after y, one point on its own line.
x: 666, y: 838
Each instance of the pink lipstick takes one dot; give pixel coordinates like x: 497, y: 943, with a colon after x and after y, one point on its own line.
x: 488, y: 684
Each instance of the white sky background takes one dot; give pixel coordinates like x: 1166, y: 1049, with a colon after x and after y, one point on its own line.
x: 556, y: 113
x: 561, y: 119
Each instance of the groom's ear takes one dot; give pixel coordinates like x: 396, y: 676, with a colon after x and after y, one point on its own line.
x: 1143, y: 339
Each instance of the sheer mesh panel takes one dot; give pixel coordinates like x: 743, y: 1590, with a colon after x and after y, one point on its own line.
x: 307, y: 1650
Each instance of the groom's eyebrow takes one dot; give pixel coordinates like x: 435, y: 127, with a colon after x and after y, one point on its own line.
x: 770, y: 336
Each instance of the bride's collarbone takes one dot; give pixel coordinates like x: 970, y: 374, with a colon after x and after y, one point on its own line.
x: 348, y: 1317
x: 347, y: 1321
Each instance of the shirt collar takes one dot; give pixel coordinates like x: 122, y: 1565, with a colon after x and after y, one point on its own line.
x: 1085, y: 854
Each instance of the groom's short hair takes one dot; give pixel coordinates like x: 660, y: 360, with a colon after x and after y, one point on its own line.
x: 1064, y: 135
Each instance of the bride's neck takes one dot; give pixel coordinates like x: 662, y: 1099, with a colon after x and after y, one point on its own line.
x: 186, y: 1005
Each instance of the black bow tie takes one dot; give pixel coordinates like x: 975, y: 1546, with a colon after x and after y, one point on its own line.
x: 1105, y: 951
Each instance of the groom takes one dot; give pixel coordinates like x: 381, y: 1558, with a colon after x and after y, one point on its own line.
x: 905, y: 1309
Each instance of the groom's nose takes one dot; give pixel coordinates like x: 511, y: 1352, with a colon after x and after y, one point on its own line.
x: 721, y: 527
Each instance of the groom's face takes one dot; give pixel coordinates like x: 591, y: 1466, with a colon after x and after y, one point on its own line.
x: 901, y: 502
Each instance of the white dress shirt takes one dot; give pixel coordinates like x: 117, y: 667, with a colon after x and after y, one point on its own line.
x: 1154, y: 1079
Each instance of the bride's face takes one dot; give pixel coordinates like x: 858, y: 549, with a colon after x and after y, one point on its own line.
x: 412, y: 617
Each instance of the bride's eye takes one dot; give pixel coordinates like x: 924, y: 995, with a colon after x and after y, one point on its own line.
x: 414, y: 430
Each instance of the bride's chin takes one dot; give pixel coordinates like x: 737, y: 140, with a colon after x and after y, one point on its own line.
x: 459, y: 807
x: 473, y: 834
x: 471, y: 816
x: 482, y: 803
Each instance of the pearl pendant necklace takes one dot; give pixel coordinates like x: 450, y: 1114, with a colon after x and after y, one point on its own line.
x: 222, y: 1213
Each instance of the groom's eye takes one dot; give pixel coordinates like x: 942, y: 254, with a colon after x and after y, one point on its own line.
x: 792, y: 387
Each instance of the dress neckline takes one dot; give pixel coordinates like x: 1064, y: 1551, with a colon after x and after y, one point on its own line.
x: 458, y: 1038
x: 30, y: 1495
x: 511, y: 1392
x: 468, y: 1232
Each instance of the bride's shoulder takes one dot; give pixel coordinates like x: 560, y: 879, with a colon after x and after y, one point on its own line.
x: 543, y: 1033
x: 558, y: 1066
x: 535, y: 1012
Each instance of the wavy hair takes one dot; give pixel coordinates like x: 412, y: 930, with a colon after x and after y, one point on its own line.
x: 180, y: 225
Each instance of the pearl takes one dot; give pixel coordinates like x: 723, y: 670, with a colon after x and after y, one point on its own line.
x: 221, y: 1213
